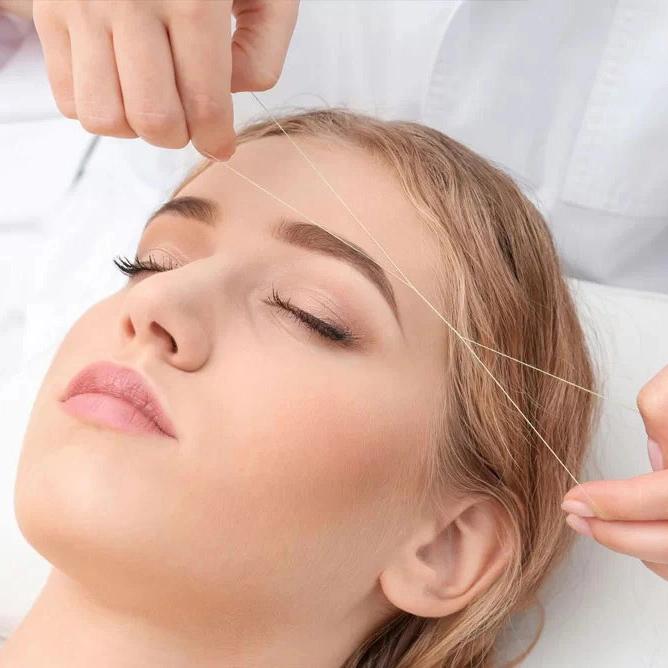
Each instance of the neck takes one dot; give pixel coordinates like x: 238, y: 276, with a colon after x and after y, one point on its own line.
x: 68, y: 628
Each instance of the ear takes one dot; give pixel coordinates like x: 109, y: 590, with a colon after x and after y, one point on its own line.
x: 449, y: 560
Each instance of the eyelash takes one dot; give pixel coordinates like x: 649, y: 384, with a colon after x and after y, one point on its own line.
x: 333, y: 333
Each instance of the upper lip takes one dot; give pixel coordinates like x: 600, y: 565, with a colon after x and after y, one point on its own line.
x: 124, y: 383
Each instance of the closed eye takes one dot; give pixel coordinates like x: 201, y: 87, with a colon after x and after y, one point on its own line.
x: 327, y: 330
x: 134, y: 267
x: 334, y: 333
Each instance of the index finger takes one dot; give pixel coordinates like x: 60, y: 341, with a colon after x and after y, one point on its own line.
x: 202, y: 57
x: 644, y: 497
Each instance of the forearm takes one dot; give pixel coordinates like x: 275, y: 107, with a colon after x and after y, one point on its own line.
x: 17, y: 7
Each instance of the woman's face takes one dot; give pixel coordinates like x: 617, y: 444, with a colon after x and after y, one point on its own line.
x: 292, y: 477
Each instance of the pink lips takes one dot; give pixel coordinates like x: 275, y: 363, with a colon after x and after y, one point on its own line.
x: 117, y: 397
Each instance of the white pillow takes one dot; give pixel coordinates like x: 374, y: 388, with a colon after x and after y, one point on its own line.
x: 602, y: 609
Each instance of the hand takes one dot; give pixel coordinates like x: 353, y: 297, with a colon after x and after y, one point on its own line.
x: 635, y: 511
x: 163, y: 70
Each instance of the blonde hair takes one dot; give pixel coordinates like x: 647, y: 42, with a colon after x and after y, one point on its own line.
x: 500, y: 285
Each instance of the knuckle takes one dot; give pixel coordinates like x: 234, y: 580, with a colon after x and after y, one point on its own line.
x: 66, y: 106
x: 175, y: 140
x: 205, y: 109
x: 153, y: 124
x: 181, y: 140
x: 103, y: 124
x: 63, y: 90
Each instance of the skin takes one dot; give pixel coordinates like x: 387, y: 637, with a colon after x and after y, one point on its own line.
x: 631, y: 516
x: 163, y: 70
x: 280, y: 526
x: 22, y: 8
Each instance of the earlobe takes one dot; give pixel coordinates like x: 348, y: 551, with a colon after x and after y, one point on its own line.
x: 447, y: 563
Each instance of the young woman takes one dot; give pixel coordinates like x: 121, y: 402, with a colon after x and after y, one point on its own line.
x: 320, y: 472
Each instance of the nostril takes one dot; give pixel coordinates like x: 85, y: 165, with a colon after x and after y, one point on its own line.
x: 162, y: 332
x: 129, y: 327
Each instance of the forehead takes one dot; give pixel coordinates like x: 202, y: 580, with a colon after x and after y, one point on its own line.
x: 365, y: 183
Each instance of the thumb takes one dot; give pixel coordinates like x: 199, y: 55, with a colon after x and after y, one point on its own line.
x: 653, y: 405
x: 260, y: 42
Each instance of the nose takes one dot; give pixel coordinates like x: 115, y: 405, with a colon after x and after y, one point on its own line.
x: 164, y: 316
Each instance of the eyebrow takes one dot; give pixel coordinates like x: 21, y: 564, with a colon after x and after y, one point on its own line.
x: 296, y: 233
x: 197, y: 208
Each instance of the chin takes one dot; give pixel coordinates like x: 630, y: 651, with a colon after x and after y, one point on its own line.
x: 85, y: 496
x: 63, y: 483
x: 49, y: 498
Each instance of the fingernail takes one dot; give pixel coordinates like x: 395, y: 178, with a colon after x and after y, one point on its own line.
x: 579, y: 525
x: 655, y: 455
x: 577, y: 508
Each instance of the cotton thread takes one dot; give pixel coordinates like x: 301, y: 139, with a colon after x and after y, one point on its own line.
x: 404, y: 279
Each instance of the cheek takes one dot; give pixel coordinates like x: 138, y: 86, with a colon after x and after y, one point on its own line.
x: 307, y: 448
x: 88, y: 339
x: 92, y: 337
x: 77, y: 480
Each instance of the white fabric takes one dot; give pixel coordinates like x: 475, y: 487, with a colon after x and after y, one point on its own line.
x: 570, y: 97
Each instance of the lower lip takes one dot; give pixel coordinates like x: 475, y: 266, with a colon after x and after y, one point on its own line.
x: 105, y: 410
